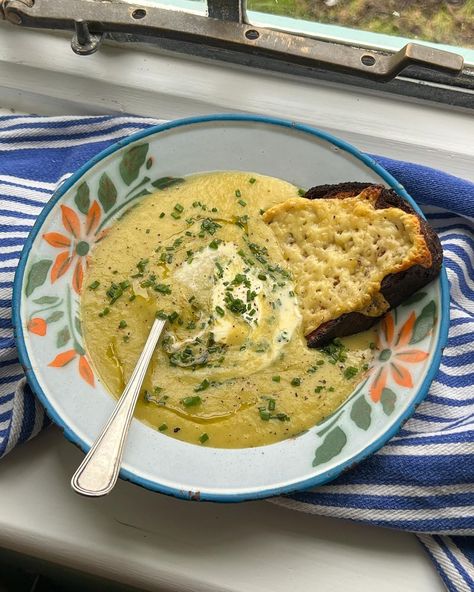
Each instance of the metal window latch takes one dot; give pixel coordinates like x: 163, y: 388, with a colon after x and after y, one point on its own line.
x: 225, y: 27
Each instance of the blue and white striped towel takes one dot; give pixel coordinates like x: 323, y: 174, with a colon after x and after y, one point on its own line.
x: 422, y: 481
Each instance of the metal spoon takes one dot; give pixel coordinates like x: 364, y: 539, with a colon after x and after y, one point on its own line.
x: 98, y: 472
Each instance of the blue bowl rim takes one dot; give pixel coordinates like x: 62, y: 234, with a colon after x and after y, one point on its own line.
x: 320, y: 479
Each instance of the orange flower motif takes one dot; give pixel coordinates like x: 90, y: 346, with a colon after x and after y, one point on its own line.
x: 76, y: 245
x: 393, y: 355
x: 38, y: 326
x: 84, y: 367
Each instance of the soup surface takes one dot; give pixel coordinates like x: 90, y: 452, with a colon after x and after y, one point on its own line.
x: 232, y: 368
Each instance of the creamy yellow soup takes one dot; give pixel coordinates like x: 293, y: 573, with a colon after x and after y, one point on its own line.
x: 232, y: 368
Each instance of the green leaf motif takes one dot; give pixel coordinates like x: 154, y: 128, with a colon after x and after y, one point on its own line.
x: 37, y: 275
x: 165, y: 182
x: 77, y: 324
x: 361, y: 413
x: 330, y: 424
x: 388, y: 400
x: 82, y: 198
x: 46, y: 300
x: 414, y: 298
x: 149, y: 162
x: 78, y: 347
x: 63, y: 337
x: 132, y: 161
x: 332, y: 445
x: 424, y: 323
x: 107, y: 192
x: 55, y: 316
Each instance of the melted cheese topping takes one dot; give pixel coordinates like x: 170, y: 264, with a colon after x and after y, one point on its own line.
x: 340, y: 250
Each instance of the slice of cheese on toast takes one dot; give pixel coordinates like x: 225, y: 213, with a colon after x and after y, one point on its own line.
x: 347, y: 246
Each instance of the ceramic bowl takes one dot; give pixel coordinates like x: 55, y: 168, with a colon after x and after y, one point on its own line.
x: 48, y: 327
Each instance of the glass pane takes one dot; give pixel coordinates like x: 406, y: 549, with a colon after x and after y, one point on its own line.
x: 197, y: 6
x: 448, y: 22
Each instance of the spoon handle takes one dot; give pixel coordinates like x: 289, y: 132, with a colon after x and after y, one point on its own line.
x: 98, y: 472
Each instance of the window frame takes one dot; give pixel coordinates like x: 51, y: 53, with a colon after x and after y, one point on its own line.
x: 414, y: 81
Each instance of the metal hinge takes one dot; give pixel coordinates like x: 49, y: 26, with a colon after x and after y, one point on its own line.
x: 225, y: 27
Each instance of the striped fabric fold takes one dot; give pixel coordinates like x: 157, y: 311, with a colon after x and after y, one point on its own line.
x: 422, y: 481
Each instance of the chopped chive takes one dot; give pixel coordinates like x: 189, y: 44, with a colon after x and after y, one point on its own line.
x: 301, y: 192
x: 161, y: 315
x: 252, y: 180
x: 320, y: 362
x: 282, y: 417
x: 122, y: 324
x: 262, y: 276
x: 132, y: 298
x: 173, y: 317
x: 179, y: 208
x: 372, y: 345
x: 276, y: 378
x: 163, y: 427
x: 94, y: 285
x: 271, y: 404
x: 162, y: 288
x: 104, y: 312
x: 126, y: 338
x: 237, y: 193
x: 214, y: 244
x: 318, y: 389
x: 295, y: 381
x: 162, y: 215
x: 350, y: 372
x: 191, y: 401
x: 175, y: 215
x: 203, y: 438
x: 261, y: 212
x: 124, y: 285
x: 205, y: 384
x: 242, y: 202
x: 220, y: 269
x: 220, y: 311
x: 331, y: 389
x: 264, y: 414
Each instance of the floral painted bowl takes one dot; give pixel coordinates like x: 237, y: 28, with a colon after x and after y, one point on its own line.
x: 49, y: 281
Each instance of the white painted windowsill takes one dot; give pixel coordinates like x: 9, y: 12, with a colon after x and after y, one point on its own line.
x: 145, y: 539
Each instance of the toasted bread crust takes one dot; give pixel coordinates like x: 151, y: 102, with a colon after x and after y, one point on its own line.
x: 395, y: 287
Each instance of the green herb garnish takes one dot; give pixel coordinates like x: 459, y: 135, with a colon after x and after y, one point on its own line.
x: 276, y: 378
x: 122, y: 324
x: 295, y: 381
x: 162, y: 288
x: 191, y: 401
x: 215, y: 244
x: 203, y: 438
x: 350, y: 372
x: 205, y: 384
x: 94, y: 285
x: 163, y: 427
x: 208, y: 225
